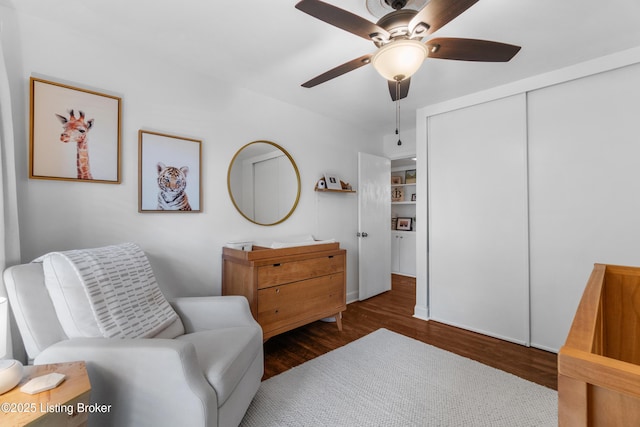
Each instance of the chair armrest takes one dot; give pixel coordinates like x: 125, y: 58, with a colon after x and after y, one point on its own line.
x: 205, y: 313
x: 146, y: 381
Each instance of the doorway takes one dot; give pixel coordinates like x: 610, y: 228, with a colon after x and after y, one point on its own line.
x: 403, y: 217
x: 391, y: 223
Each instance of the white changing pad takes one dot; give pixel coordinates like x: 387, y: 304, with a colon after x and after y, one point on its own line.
x: 292, y: 241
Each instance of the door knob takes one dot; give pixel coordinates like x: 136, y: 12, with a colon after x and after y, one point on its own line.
x: 364, y: 234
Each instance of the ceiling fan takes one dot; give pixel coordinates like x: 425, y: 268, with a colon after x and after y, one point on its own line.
x: 399, y: 36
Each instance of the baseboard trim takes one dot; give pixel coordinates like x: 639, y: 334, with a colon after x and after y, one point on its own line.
x: 420, y: 312
x: 352, y: 297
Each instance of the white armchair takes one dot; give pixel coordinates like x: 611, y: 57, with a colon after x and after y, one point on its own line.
x: 206, y: 376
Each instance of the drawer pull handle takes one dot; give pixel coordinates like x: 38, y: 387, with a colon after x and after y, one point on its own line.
x: 278, y: 291
x: 330, y: 256
x: 276, y: 265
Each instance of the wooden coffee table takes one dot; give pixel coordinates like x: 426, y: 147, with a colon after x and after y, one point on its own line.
x: 65, y: 405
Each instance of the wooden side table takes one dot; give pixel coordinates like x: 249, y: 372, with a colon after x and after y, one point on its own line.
x: 66, y: 405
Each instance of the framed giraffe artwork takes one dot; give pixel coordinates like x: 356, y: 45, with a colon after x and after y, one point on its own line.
x: 170, y: 177
x: 74, y: 133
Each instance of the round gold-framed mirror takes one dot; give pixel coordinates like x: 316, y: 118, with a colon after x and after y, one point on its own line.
x: 264, y: 183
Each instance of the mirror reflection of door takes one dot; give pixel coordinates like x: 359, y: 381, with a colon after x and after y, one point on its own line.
x: 274, y: 191
x: 264, y: 183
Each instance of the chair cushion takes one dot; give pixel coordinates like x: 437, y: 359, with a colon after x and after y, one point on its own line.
x: 33, y: 310
x: 108, y: 292
x: 225, y: 355
x: 69, y: 297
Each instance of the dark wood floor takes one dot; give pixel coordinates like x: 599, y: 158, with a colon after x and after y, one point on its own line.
x: 393, y: 310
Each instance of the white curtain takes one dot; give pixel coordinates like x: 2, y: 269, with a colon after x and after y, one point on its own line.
x: 9, y: 232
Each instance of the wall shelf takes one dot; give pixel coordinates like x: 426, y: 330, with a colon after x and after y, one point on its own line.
x: 327, y: 190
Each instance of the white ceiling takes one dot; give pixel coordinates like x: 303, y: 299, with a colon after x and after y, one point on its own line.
x: 271, y: 48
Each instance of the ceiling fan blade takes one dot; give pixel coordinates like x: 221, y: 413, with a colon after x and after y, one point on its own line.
x: 437, y: 13
x: 339, y: 70
x: 471, y: 50
x: 404, y: 89
x: 342, y: 19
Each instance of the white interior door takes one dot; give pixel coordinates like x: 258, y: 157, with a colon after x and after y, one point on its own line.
x: 374, y: 217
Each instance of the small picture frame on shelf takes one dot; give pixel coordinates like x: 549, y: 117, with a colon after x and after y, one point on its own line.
x: 397, y: 194
x: 410, y: 176
x: 404, y: 224
x: 396, y: 179
x: 413, y: 197
x: 332, y: 182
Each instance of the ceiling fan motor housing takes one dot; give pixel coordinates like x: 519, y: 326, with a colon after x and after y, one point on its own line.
x: 396, y: 23
x: 396, y: 4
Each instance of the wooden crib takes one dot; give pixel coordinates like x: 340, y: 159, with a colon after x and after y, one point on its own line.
x: 599, y: 365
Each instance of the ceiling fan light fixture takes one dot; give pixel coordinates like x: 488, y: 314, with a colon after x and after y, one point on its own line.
x: 399, y: 59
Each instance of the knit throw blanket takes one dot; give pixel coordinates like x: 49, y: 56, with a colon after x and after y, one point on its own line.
x: 122, y: 290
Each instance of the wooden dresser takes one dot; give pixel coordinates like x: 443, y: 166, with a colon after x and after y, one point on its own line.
x: 288, y: 287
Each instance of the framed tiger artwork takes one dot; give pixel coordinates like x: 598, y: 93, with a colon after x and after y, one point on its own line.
x: 170, y: 173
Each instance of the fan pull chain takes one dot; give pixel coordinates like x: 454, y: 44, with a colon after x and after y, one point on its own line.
x: 398, y: 111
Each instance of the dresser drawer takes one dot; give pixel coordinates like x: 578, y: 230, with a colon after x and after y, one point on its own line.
x: 281, y: 305
x: 287, y: 272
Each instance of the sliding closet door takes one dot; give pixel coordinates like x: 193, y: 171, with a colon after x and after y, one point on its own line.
x: 585, y: 191
x: 478, y: 219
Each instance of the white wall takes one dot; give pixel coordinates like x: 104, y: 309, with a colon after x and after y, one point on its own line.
x: 184, y: 249
x: 394, y: 151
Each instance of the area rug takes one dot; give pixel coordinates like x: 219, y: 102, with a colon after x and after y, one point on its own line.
x: 387, y: 379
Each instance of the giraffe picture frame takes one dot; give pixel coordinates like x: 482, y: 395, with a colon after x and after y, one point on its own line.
x: 74, y: 133
x: 170, y: 173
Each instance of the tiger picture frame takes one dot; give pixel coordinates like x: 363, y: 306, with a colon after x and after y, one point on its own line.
x: 169, y: 173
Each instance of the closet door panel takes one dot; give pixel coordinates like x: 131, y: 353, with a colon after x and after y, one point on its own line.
x: 478, y: 219
x: 585, y: 191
